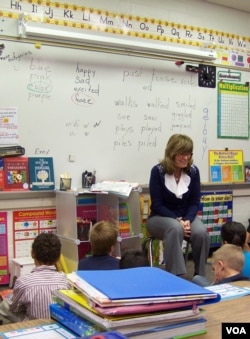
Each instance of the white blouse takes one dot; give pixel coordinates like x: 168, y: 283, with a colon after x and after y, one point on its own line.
x: 177, y: 188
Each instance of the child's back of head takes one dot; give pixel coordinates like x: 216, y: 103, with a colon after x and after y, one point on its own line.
x: 230, y: 257
x: 133, y: 258
x: 233, y: 232
x: 46, y: 249
x: 103, y: 237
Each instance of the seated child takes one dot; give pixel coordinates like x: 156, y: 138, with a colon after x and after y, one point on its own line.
x: 133, y: 258
x: 32, y: 293
x: 248, y: 233
x: 103, y: 237
x: 235, y: 233
x: 227, y: 263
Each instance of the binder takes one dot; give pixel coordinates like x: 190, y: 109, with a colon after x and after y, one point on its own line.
x: 127, y: 323
x: 141, y: 285
x: 119, y: 312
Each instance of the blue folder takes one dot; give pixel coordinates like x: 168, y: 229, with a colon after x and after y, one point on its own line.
x: 145, y: 282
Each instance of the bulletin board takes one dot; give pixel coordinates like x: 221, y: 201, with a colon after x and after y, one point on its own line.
x: 111, y: 113
x: 216, y: 208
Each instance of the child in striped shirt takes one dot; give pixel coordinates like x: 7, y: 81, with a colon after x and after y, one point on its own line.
x: 32, y: 293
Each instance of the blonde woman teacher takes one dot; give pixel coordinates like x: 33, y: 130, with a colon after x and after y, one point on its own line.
x: 174, y: 188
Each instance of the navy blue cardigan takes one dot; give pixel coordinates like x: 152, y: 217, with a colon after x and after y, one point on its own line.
x: 164, y: 203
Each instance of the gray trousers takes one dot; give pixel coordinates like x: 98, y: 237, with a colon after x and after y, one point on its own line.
x: 7, y: 316
x: 170, y: 231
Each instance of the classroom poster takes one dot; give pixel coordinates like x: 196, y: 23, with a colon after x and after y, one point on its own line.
x: 233, y: 103
x: 27, y: 224
x: 8, y: 126
x: 4, y: 274
x: 216, y: 208
x: 226, y: 166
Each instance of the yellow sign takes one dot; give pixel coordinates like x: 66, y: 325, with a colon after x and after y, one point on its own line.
x: 226, y: 166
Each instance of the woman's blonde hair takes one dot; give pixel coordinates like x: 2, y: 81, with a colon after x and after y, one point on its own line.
x: 177, y: 144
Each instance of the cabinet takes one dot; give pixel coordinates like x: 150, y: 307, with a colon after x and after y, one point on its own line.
x: 73, y: 205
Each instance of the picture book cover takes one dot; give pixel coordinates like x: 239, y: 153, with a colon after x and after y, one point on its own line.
x: 16, y: 174
x: 41, y: 171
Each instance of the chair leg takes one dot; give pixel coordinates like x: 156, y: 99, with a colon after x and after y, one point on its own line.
x: 148, y: 249
x: 186, y: 252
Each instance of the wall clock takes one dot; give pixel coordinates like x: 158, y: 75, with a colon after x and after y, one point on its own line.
x: 207, y: 76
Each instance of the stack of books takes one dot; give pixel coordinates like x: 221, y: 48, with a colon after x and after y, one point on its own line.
x: 138, y: 302
x: 22, y: 173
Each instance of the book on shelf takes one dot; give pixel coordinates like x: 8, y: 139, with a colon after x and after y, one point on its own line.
x: 121, y: 322
x: 124, y: 220
x: 16, y: 174
x: 130, y: 287
x: 41, y: 171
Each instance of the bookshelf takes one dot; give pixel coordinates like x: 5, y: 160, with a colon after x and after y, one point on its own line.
x: 77, y: 211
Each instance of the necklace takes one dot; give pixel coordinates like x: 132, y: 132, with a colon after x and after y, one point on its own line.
x: 177, y: 178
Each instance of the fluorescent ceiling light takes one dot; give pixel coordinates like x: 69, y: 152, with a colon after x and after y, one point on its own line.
x: 109, y: 41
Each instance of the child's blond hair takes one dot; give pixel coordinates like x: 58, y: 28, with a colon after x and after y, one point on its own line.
x: 103, y: 236
x: 231, y: 255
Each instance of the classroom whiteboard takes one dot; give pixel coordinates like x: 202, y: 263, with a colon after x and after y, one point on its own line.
x: 112, y: 113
